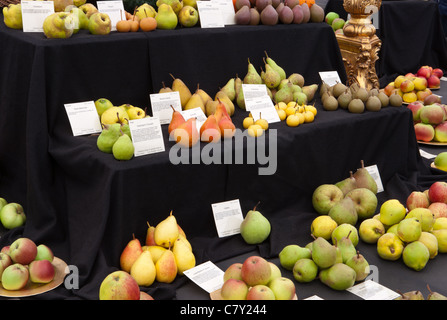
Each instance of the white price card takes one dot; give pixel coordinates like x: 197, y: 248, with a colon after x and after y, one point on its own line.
x: 254, y: 91
x: 34, y: 14
x: 195, y: 113
x: 206, y: 275
x: 314, y: 297
x: 330, y: 77
x: 227, y: 11
x: 161, y: 105
x: 147, y: 136
x: 228, y: 217
x: 371, y: 290
x: 210, y: 14
x: 83, y: 118
x: 114, y: 9
x: 262, y: 107
x: 374, y: 172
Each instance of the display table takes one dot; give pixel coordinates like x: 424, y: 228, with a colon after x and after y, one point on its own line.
x: 86, y: 205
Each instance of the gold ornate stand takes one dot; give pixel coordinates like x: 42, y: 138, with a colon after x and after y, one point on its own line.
x: 359, y: 44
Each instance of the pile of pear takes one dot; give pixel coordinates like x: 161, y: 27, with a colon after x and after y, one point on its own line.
x: 295, y: 114
x: 418, y: 295
x: 355, y: 98
x: 165, y: 254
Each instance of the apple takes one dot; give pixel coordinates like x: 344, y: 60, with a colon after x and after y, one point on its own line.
x: 5, y: 249
x: 88, y: 9
x: 389, y: 89
x: 432, y: 114
x: 59, y: 25
x: 417, y: 199
x: 424, y: 132
x: 407, y: 85
x: 255, y: 270
x: 60, y: 5
x: 12, y: 215
x: 344, y: 230
x: 325, y: 196
x: 102, y: 104
x: 15, y: 277
x: 233, y: 272
x: 392, y: 211
x: 23, y: 251
x: 438, y: 72
x: 440, y: 223
x: 424, y: 71
x: 439, y: 209
x: 5, y: 261
x: 431, y: 99
x: 422, y: 94
x: 365, y: 202
x: 399, y: 79
x: 12, y: 16
x: 389, y: 246
x: 234, y: 289
x: 44, y: 253
x: 41, y: 271
x: 99, y: 23
x: 331, y: 16
x: 188, y: 16
x: 420, y: 83
x: 283, y: 288
x: 433, y: 81
x: 119, y: 285
x: 441, y: 136
x: 438, y: 192
x: 145, y: 296
x: 370, y: 230
x: 260, y: 292
x: 415, y: 108
x: 276, y: 272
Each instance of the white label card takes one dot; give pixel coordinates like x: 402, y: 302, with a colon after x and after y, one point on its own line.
x: 227, y: 11
x: 195, y: 113
x: 161, y: 105
x: 331, y: 78
x: 207, y: 276
x: 114, y: 9
x: 83, y: 118
x: 426, y: 154
x: 374, y: 172
x: 254, y: 91
x: 228, y: 217
x: 147, y: 136
x: 210, y: 14
x: 371, y: 290
x: 34, y: 14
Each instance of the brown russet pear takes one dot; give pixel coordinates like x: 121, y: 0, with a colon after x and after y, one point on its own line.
x: 150, y: 239
x: 130, y: 254
x: 176, y: 120
x: 143, y: 269
x: 166, y: 267
x: 186, y: 134
x: 209, y: 131
x: 195, y: 101
x: 347, y: 184
x: 184, y: 257
x: 183, y: 90
x: 271, y: 76
x: 364, y: 179
x: 166, y: 231
x: 310, y: 91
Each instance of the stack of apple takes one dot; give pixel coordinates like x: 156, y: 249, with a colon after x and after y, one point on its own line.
x: 256, y: 279
x: 295, y: 114
x: 24, y: 262
x: 333, y: 19
x: 166, y: 254
x: 429, y: 119
x: 12, y: 214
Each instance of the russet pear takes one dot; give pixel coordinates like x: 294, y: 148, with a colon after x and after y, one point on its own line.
x: 143, y: 269
x: 166, y: 231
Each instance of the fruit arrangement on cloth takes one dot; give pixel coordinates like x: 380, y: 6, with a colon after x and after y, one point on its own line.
x: 256, y: 279
x: 272, y: 12
x: 12, y: 214
x: 355, y: 98
x: 120, y: 285
x: 333, y: 19
x: 295, y: 114
x: 23, y: 262
x: 429, y: 119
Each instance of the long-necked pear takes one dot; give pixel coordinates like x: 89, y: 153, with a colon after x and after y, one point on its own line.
x: 166, y: 231
x: 143, y: 269
x: 230, y: 89
x: 252, y: 76
x: 195, y: 101
x: 324, y: 254
x: 130, y: 254
x: 183, y: 90
x: 184, y: 257
x: 166, y: 267
x: 108, y: 136
x: 255, y: 227
x: 240, y: 99
x: 275, y: 66
x: 123, y: 149
x: 364, y: 179
x: 433, y: 295
x: 271, y: 77
x: 176, y: 120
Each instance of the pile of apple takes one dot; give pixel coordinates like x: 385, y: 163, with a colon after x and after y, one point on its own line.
x: 333, y: 19
x: 12, y: 214
x: 256, y: 279
x: 24, y: 262
x: 430, y: 119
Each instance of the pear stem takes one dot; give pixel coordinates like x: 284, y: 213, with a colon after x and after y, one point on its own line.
x: 172, y: 76
x: 315, y: 238
x: 362, y: 163
x: 256, y: 205
x: 148, y: 224
x: 429, y: 290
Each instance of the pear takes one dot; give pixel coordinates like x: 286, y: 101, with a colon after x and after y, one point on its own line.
x: 195, y: 101
x: 210, y: 107
x: 123, y: 149
x: 143, y: 269
x: 130, y: 254
x: 166, y: 267
x: 176, y: 120
x: 344, y: 99
x: 223, y: 97
x: 252, y: 76
x: 364, y: 179
x: 291, y: 253
x: 346, y: 247
x: 237, y: 85
x: 296, y: 78
x: 360, y: 266
x: 156, y: 251
x: 205, y: 96
x: 209, y: 131
x: 435, y: 295
x: 415, y: 255
x: 150, y: 239
x: 338, y: 277
x: 227, y: 128
x: 347, y: 184
x: 271, y: 77
x: 166, y: 18
x: 338, y: 89
x: 108, y: 136
x: 166, y: 231
x: 186, y: 134
x: 310, y: 91
x: 184, y: 257
x: 425, y: 217
x: 164, y: 89
x: 183, y: 90
x: 229, y: 89
x: 240, y: 99
x: 324, y: 254
x: 255, y: 227
x: 344, y: 211
x: 275, y: 66
x: 409, y: 229
x: 285, y: 94
x: 410, y: 295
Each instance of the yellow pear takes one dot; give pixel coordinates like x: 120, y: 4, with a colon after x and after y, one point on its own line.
x: 229, y: 105
x: 205, y: 96
x: 183, y: 90
x: 166, y: 267
x: 166, y: 231
x: 183, y: 238
x: 156, y: 251
x: 143, y: 269
x: 184, y: 257
x: 195, y: 101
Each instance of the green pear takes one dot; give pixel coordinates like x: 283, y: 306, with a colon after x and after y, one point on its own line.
x: 12, y: 16
x: 255, y: 228
x: 285, y: 94
x: 410, y: 295
x: 297, y: 79
x: 346, y: 247
x: 271, y: 76
x: 252, y: 76
x: 415, y: 255
x: 230, y: 89
x: 409, y: 230
x: 143, y: 269
x: 166, y: 17
x: 360, y: 266
x: 425, y: 217
x: 305, y: 270
x: 338, y: 277
x: 343, y: 230
x: 108, y: 136
x: 344, y: 211
x: 323, y: 253
x: 123, y: 148
x: 275, y: 66
x: 176, y: 5
x: 291, y: 253
x: 433, y: 295
x: 364, y: 179
x: 347, y: 184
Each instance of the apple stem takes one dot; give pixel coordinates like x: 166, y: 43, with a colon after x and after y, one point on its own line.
x: 256, y: 205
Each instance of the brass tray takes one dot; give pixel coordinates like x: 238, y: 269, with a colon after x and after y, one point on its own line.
x: 32, y: 289
x: 433, y: 143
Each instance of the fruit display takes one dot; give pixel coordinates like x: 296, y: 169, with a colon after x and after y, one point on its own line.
x: 255, y: 228
x: 418, y: 295
x: 24, y: 263
x: 295, y: 114
x: 272, y: 12
x: 12, y: 214
x: 256, y: 279
x: 356, y: 99
x: 440, y: 161
x: 333, y: 19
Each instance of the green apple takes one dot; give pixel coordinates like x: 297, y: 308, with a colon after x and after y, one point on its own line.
x: 12, y: 215
x: 15, y: 277
x: 44, y: 253
x: 99, y: 23
x: 391, y: 212
x: 291, y: 253
x: 390, y: 247
x: 233, y: 272
x: 283, y: 288
x: 188, y: 16
x: 59, y: 25
x: 441, y: 161
x: 370, y: 230
x: 260, y: 292
x: 276, y: 272
x: 431, y: 242
x: 331, y: 16
x: 12, y: 16
x: 102, y: 104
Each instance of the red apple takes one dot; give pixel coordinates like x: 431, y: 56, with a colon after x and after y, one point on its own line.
x: 417, y: 199
x: 23, y: 251
x: 234, y: 289
x: 433, y: 81
x: 424, y: 132
x: 119, y: 285
x: 15, y: 277
x: 5, y: 249
x: 424, y: 71
x: 255, y: 270
x: 439, y: 209
x: 145, y: 296
x: 438, y: 72
x: 260, y: 292
x: 432, y: 114
x: 41, y: 271
x: 407, y: 85
x: 5, y: 261
x: 422, y: 94
x: 410, y: 75
x: 438, y: 192
x: 388, y: 89
x: 415, y: 107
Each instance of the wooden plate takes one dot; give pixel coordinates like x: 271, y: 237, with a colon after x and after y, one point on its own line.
x: 32, y: 289
x: 215, y: 295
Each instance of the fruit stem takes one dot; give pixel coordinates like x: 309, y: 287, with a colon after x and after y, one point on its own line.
x: 172, y: 76
x: 256, y: 205
x: 428, y: 287
x: 362, y: 163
